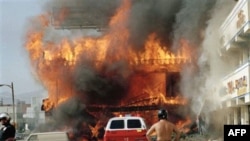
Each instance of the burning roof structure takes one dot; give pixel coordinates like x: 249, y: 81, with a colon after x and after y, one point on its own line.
x: 132, y: 64
x: 103, y: 65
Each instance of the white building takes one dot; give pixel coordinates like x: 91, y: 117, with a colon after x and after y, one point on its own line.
x: 34, y: 115
x: 235, y: 39
x: 8, y: 109
x: 30, y: 114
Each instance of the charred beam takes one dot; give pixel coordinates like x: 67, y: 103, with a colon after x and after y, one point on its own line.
x: 128, y: 108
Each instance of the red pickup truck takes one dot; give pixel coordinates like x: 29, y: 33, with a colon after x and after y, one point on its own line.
x: 128, y: 128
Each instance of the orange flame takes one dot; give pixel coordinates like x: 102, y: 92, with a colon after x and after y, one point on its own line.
x: 55, y: 59
x: 158, y: 54
x: 183, y: 125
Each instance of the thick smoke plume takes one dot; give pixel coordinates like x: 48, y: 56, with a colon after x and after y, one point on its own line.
x: 202, y: 81
x: 146, y: 16
x: 158, y: 16
x: 101, y: 88
x: 191, y: 23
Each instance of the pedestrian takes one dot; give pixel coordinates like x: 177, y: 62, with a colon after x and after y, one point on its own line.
x: 163, y: 128
x: 7, y: 131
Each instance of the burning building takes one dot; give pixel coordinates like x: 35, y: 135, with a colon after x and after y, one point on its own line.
x: 116, y: 71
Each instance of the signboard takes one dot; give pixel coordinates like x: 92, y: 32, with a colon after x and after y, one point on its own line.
x: 238, y: 82
x: 239, y: 85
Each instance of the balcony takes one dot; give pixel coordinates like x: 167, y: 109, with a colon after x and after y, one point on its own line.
x: 236, y: 28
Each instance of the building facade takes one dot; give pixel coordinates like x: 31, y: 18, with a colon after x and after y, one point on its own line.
x: 16, y: 118
x: 9, y: 109
x: 235, y: 47
x: 25, y: 115
x: 34, y: 116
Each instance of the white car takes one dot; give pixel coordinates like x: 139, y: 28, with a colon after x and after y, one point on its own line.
x: 48, y: 136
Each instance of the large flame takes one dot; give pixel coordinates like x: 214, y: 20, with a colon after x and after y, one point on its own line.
x: 53, y: 59
x: 56, y: 61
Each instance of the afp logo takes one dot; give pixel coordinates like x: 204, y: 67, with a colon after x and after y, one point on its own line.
x: 236, y: 132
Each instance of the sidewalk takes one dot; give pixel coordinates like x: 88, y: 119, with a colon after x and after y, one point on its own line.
x: 198, y: 137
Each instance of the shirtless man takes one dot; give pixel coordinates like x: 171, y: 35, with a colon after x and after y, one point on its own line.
x: 163, y: 128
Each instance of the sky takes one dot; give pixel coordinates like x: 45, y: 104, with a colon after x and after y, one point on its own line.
x: 14, y: 62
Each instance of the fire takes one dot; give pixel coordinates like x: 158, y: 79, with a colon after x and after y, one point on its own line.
x: 173, y: 100
x: 56, y: 61
x: 65, y: 54
x: 95, y: 129
x: 155, y: 53
x: 62, y: 14
x: 183, y: 126
x: 47, y: 105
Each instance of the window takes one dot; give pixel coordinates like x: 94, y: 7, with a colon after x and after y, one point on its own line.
x: 134, y: 123
x: 117, y: 124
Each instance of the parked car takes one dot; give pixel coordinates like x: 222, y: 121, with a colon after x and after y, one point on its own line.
x: 19, y: 136
x: 48, y: 136
x: 127, y: 128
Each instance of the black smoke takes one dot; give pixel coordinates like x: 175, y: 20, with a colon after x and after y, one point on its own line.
x: 105, y: 86
x: 153, y: 16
